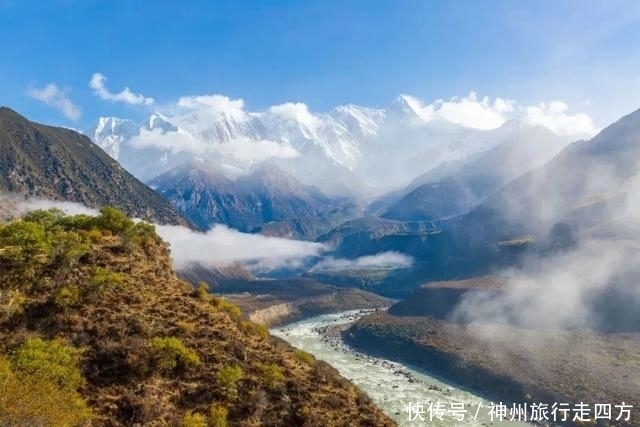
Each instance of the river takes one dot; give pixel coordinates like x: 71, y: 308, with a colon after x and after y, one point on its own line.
x: 394, y: 387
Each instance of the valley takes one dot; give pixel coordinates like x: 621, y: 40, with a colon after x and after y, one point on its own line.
x: 320, y: 213
x: 455, y: 261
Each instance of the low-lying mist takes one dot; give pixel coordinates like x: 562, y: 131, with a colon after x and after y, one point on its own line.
x: 593, y: 285
x: 594, y: 282
x: 387, y: 260
x: 223, y: 246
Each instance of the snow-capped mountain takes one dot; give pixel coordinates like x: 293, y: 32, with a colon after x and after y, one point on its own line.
x: 341, y: 151
x: 111, y: 133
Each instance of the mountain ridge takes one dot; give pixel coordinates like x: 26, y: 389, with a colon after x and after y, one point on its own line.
x: 265, y: 195
x: 349, y: 144
x: 58, y: 163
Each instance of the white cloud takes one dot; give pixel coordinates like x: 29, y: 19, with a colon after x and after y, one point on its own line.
x: 381, y: 260
x: 486, y: 114
x: 468, y: 111
x: 175, y: 142
x: 222, y: 246
x: 474, y: 113
x: 555, y: 117
x: 218, y: 247
x: 567, y: 291
x: 219, y: 103
x: 55, y: 97
x: 295, y: 111
x: 97, y: 83
x: 242, y: 151
x: 69, y: 207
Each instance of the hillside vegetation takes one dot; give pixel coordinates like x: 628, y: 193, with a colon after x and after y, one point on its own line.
x: 97, y: 330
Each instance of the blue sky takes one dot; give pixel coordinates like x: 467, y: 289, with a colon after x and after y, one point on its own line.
x: 324, y: 53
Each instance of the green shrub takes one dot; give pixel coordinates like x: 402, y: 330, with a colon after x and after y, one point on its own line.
x: 94, y: 235
x: 218, y: 415
x: 114, y: 220
x: 202, y: 292
x: 305, y: 357
x: 194, y: 419
x: 28, y: 398
x: 67, y: 247
x: 170, y: 353
x: 66, y: 296
x: 103, y: 279
x: 227, y: 378
x: 24, y: 242
x: 53, y: 361
x: 48, y: 218
x: 37, y: 241
x: 272, y: 375
x: 79, y: 222
x: 141, y: 233
x: 252, y: 328
x: 230, y: 308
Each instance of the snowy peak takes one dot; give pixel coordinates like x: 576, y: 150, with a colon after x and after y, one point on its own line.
x: 160, y: 122
x: 106, y: 126
x: 406, y: 106
x: 216, y: 126
x: 359, y: 121
x: 111, y: 132
x: 349, y: 143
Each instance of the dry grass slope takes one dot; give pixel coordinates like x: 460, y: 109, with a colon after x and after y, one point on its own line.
x: 152, y: 350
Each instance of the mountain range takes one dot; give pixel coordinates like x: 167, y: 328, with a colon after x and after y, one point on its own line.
x: 340, y: 152
x: 550, y: 261
x: 289, y: 172
x: 456, y: 211
x: 587, y: 191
